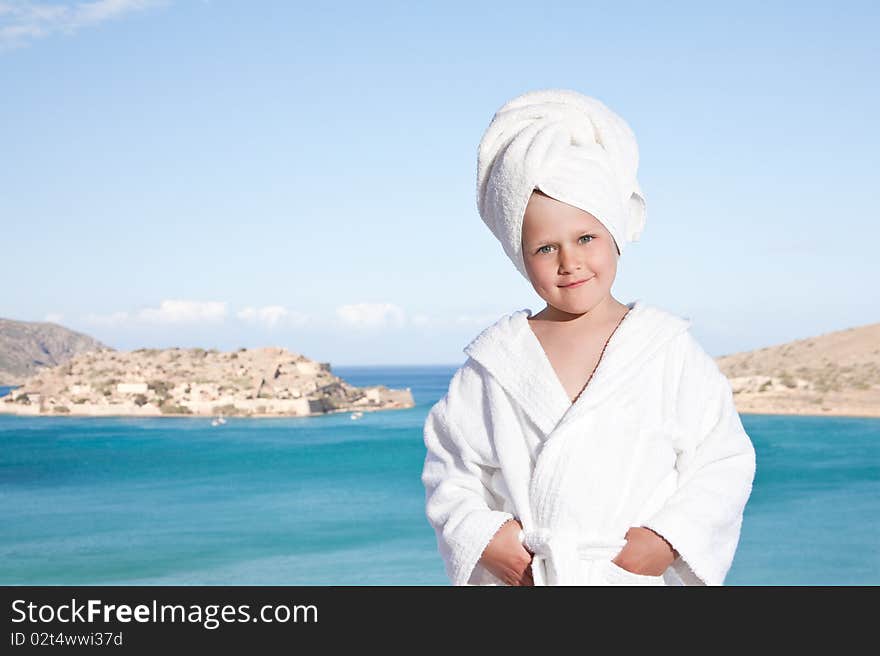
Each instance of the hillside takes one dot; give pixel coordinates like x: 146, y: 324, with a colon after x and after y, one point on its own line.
x: 27, y: 346
x: 835, y: 373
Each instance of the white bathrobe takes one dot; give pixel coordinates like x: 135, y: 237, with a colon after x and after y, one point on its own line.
x: 653, y: 440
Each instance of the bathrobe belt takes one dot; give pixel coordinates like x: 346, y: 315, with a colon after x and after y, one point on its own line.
x: 562, y: 553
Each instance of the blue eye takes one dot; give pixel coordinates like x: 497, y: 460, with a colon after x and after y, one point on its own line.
x: 541, y: 250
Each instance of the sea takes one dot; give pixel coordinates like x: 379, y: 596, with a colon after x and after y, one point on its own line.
x: 334, y: 501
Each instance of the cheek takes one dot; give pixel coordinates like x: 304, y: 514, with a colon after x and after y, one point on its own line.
x: 545, y: 273
x: 606, y: 261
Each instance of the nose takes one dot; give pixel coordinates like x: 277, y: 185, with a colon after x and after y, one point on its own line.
x: 568, y: 260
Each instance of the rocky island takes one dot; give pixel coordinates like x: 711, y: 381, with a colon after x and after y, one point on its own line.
x: 265, y: 382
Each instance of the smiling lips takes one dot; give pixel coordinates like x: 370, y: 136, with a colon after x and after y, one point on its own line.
x: 575, y: 284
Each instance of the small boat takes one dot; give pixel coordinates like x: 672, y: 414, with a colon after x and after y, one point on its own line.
x: 357, y: 415
x: 215, y: 423
x: 221, y: 420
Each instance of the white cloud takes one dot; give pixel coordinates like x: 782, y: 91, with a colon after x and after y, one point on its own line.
x: 371, y: 315
x: 53, y: 317
x: 179, y: 311
x: 175, y: 311
x: 271, y: 315
x: 22, y: 21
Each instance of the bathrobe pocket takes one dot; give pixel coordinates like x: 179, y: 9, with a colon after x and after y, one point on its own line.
x: 617, y: 575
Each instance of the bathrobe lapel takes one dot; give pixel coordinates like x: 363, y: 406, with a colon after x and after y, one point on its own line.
x: 512, y: 354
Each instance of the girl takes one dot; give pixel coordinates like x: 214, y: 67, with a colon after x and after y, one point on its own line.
x: 595, y: 442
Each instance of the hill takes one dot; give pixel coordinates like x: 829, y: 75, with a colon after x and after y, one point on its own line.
x: 28, y: 346
x: 836, y: 373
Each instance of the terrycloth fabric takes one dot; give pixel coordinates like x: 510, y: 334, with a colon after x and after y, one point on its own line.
x: 571, y: 147
x: 653, y: 440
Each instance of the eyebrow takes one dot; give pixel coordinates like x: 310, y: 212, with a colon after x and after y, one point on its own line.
x: 578, y: 234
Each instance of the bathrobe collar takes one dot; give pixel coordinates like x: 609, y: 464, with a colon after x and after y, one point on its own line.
x: 510, y: 351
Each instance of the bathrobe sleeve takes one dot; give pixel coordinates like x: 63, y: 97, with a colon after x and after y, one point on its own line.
x: 460, y: 460
x: 715, y: 460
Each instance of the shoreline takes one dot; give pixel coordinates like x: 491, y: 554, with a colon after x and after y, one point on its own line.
x: 194, y: 416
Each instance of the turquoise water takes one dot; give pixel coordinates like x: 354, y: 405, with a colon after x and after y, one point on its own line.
x: 331, y: 501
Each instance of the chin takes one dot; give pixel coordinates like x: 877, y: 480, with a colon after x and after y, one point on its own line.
x: 572, y: 308
x: 578, y: 307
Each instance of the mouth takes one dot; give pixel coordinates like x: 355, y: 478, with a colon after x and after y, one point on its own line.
x: 576, y: 284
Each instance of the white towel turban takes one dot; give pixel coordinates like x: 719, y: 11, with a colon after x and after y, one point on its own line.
x: 571, y: 147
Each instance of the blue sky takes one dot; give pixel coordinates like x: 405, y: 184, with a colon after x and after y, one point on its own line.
x: 228, y: 174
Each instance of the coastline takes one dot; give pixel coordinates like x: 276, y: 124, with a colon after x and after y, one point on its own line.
x: 849, y: 403
x: 197, y: 416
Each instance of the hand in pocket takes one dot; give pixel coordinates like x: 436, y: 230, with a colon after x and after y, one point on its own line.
x: 645, y: 552
x: 507, y: 558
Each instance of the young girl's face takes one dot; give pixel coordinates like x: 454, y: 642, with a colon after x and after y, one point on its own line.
x: 563, y: 244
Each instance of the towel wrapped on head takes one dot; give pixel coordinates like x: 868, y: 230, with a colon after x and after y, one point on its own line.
x: 572, y: 148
